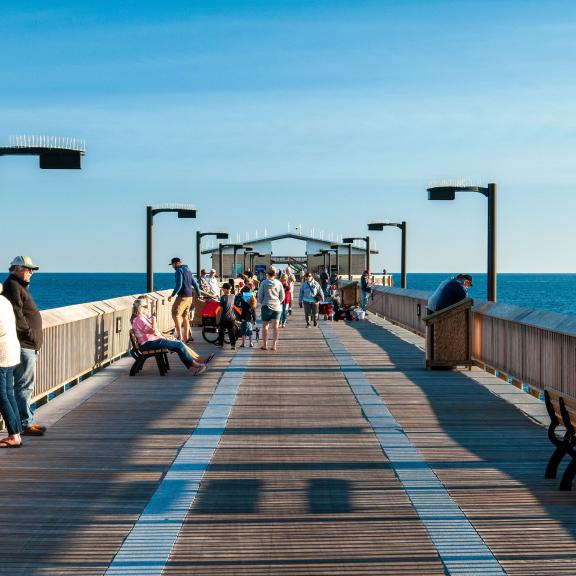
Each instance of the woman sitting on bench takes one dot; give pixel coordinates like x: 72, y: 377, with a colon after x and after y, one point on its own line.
x: 150, y: 338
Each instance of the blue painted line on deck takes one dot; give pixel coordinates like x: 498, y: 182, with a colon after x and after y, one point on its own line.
x: 147, y: 548
x: 459, y: 546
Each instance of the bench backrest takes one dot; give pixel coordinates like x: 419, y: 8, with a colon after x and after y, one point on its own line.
x: 564, y: 408
x: 134, y: 340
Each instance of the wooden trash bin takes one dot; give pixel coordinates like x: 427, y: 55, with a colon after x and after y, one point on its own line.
x: 350, y: 294
x: 449, y: 336
x: 199, y: 304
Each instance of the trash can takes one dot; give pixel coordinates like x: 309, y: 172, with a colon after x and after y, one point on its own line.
x: 350, y: 294
x: 449, y: 336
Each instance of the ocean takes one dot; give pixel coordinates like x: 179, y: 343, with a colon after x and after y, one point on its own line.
x: 554, y: 292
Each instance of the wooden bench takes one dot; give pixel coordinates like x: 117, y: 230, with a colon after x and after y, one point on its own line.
x: 562, y: 412
x: 140, y: 356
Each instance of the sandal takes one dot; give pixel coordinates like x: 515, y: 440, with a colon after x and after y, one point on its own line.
x: 197, y: 370
x: 5, y: 443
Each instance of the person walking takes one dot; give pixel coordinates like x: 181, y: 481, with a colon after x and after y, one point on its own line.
x: 270, y: 295
x: 9, y: 359
x: 287, y: 299
x: 30, y: 336
x: 186, y: 286
x: 366, y: 287
x: 324, y: 278
x: 227, y: 317
x: 310, y: 296
x: 247, y: 303
x: 292, y: 280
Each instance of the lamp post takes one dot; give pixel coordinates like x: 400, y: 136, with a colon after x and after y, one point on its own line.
x: 247, y: 250
x: 183, y: 210
x: 54, y: 152
x: 199, y: 236
x: 402, y: 225
x: 490, y: 191
x: 349, y: 241
x: 235, y: 248
x: 325, y: 253
x: 336, y: 248
x: 251, y: 257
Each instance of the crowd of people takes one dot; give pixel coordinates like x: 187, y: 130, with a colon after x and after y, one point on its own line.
x: 238, y: 298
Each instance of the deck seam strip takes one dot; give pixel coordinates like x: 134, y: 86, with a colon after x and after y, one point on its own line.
x: 459, y: 546
x: 146, y: 550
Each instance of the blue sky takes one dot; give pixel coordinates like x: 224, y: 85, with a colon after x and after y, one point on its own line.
x: 322, y: 113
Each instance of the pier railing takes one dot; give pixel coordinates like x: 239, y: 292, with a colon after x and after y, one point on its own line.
x: 533, y: 349
x: 83, y: 338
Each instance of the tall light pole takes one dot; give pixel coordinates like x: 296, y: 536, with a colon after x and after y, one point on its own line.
x: 336, y: 248
x: 235, y: 248
x: 349, y: 241
x: 490, y: 191
x: 325, y: 253
x: 54, y: 152
x: 402, y: 225
x: 251, y: 257
x: 199, y: 236
x: 183, y: 210
x: 247, y: 250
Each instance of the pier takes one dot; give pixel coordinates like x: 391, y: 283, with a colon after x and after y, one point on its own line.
x: 337, y: 454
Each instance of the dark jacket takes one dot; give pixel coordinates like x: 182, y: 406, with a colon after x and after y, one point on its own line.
x: 448, y: 292
x: 227, y: 304
x: 186, y: 284
x: 28, y: 318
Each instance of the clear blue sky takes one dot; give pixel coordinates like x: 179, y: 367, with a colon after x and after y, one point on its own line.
x: 263, y: 113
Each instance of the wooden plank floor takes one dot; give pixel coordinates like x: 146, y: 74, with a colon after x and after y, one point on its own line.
x: 69, y: 499
x: 299, y: 483
x: 488, y: 454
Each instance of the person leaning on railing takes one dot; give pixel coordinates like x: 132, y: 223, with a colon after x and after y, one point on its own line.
x: 150, y: 338
x: 9, y: 358
x: 449, y: 292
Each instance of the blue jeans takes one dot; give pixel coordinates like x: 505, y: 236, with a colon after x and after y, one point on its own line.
x: 365, y: 296
x: 24, y: 376
x: 284, y: 315
x: 8, y: 406
x: 172, y: 345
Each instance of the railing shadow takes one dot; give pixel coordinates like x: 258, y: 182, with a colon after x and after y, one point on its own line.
x: 485, y: 433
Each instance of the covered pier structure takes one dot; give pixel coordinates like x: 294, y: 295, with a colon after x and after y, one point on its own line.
x: 337, y: 454
x: 312, y: 260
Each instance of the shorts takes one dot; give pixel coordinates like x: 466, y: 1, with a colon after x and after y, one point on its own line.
x: 246, y: 328
x: 269, y: 314
x: 181, y: 306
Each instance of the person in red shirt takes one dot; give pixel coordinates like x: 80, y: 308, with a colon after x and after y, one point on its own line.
x: 287, y: 299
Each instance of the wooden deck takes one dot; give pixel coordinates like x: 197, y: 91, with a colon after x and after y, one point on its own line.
x: 299, y: 482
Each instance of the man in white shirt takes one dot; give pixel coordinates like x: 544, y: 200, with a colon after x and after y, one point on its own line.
x: 212, y: 280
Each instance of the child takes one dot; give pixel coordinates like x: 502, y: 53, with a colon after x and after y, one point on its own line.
x: 247, y: 303
x: 227, y: 317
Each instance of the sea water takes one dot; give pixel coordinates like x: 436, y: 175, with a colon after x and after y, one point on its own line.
x: 554, y: 292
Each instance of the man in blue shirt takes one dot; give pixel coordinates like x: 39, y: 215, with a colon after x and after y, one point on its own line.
x: 449, y: 292
x: 184, y: 289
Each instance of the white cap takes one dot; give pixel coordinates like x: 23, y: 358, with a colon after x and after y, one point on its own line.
x: 24, y: 261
